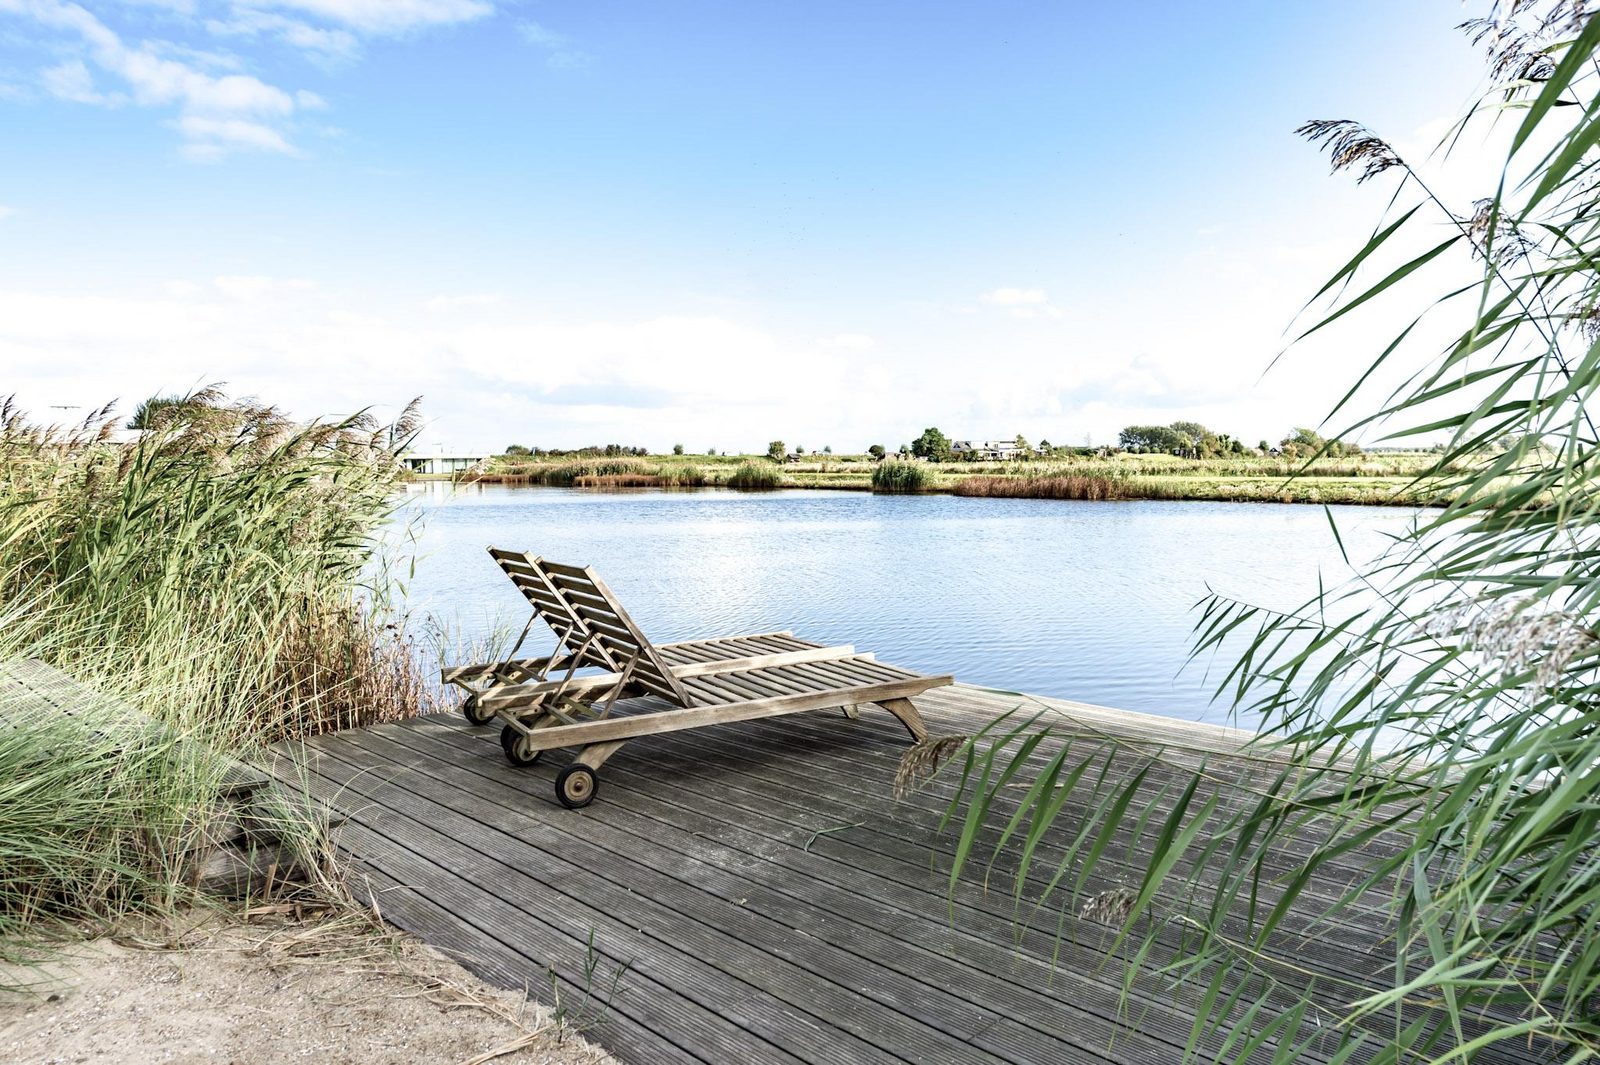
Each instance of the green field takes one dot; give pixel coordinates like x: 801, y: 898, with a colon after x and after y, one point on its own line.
x: 1390, y: 478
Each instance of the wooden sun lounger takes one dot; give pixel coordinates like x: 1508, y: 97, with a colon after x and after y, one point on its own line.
x: 704, y: 682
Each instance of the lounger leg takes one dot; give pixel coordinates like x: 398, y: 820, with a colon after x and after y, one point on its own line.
x: 577, y: 784
x: 594, y: 756
x: 909, y: 717
x: 853, y: 712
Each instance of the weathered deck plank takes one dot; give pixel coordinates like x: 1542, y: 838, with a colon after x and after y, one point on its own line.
x: 770, y: 898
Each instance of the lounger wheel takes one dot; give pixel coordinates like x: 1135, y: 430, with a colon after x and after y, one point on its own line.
x: 576, y: 785
x: 472, y: 709
x: 519, y: 749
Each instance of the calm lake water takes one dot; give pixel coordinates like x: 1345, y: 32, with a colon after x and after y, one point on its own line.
x: 1086, y: 601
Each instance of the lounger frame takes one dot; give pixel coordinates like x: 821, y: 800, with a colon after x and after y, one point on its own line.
x: 550, y: 702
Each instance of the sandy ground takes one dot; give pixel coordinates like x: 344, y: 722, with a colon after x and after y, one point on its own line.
x: 326, y: 992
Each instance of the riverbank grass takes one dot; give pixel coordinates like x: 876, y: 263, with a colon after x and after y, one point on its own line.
x: 224, y: 577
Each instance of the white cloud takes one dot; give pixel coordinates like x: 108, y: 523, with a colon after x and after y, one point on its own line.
x: 6, y: 212
x: 217, y: 113
x: 1016, y: 297
x: 498, y: 370
x: 212, y: 138
x: 220, y: 109
x: 1021, y: 302
x: 72, y: 81
x: 254, y: 286
x: 557, y: 47
x: 320, y: 43
x: 384, y: 16
x: 649, y: 379
x: 469, y: 299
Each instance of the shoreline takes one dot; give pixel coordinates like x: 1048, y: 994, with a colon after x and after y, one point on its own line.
x: 1310, y: 491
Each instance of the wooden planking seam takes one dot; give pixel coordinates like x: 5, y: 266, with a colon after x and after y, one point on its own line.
x: 773, y: 798
x: 408, y: 851
x: 778, y: 771
x: 711, y: 755
x: 813, y: 997
x: 644, y: 1021
x: 908, y: 956
x: 1001, y: 932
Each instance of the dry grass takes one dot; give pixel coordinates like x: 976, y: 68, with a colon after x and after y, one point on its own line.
x: 1058, y: 486
x: 922, y: 761
x: 617, y: 480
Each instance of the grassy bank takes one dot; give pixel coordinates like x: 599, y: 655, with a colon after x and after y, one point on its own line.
x: 1387, y: 479
x: 219, y: 576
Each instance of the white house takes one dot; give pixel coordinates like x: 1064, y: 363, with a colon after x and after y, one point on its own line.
x: 985, y: 450
x: 441, y: 464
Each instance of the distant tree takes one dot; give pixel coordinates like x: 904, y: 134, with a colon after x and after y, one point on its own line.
x: 932, y: 445
x: 1153, y: 439
x: 827, y: 449
x: 776, y: 451
x: 1263, y: 447
x: 1198, y: 441
x: 677, y: 449
x: 798, y: 450
x: 1189, y: 439
x: 711, y: 451
x: 1023, y: 447
x: 518, y: 450
x: 1304, y: 443
x: 147, y: 414
x: 1045, y: 446
x: 876, y: 451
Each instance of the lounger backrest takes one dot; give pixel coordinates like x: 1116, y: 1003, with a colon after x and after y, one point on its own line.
x: 551, y: 606
x: 606, y: 620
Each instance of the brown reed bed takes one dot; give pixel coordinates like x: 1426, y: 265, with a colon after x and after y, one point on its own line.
x: 1059, y: 486
x: 617, y: 480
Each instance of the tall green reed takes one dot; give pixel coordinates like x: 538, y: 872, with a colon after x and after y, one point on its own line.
x: 892, y: 476
x: 223, y: 575
x: 1436, y: 723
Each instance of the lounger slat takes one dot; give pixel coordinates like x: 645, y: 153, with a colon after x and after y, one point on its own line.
x: 679, y: 656
x: 576, y: 572
x: 862, y: 672
x: 763, y: 662
x: 520, y: 569
x: 722, y: 689
x: 719, y: 639
x: 808, y: 677
x: 606, y: 623
x: 579, y: 598
x: 574, y: 589
x: 533, y: 589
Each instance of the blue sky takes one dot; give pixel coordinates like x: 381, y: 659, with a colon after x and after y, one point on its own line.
x: 707, y: 223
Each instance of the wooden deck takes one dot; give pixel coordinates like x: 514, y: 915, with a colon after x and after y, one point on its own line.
x: 764, y: 895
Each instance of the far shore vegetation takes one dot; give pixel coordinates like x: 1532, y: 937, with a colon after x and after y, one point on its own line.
x: 1182, y: 461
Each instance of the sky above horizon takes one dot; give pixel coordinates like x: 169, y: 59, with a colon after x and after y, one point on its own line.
x: 709, y: 223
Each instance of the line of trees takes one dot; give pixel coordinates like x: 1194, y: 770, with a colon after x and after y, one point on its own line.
x: 609, y: 451
x: 1193, y: 440
x: 1183, y: 438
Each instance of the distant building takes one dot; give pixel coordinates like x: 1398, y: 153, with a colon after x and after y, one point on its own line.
x: 441, y: 464
x: 986, y: 451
